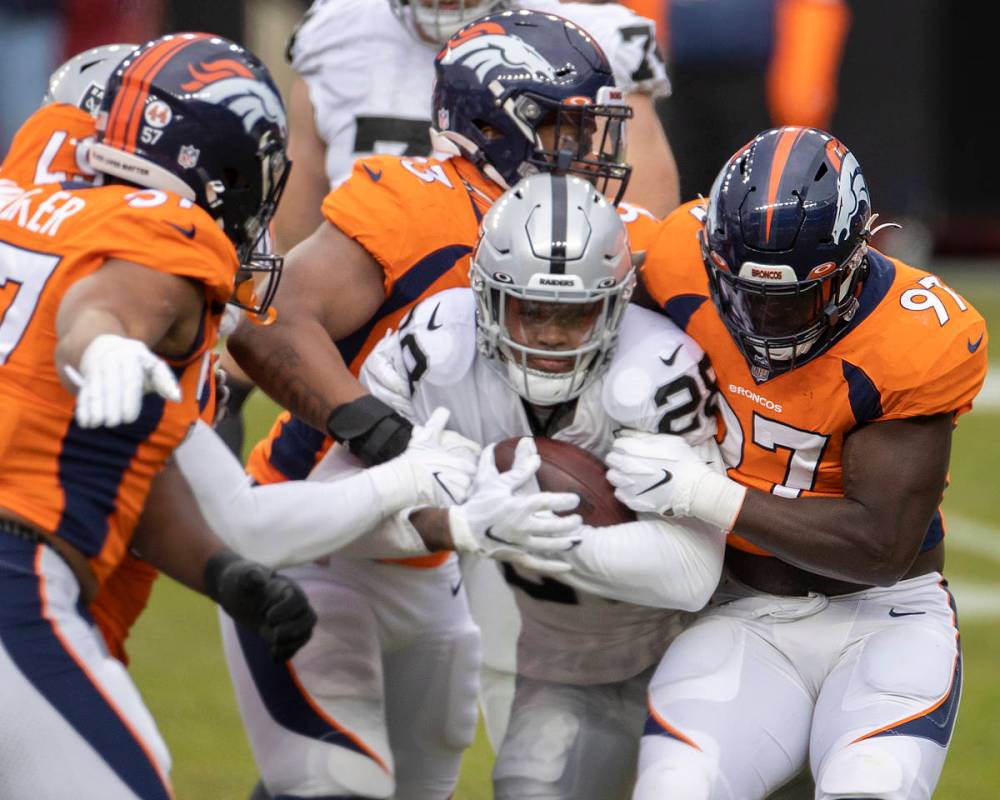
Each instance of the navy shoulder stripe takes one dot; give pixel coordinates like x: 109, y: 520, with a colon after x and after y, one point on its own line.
x: 681, y: 308
x: 865, y: 398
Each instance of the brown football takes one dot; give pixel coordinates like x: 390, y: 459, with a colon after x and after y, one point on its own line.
x: 568, y: 468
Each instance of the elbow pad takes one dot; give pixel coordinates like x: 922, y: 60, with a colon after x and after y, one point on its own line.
x: 370, y: 429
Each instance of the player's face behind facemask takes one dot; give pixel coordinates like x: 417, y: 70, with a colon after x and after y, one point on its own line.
x: 434, y: 21
x: 784, y: 242
x: 521, y: 92
x: 200, y: 116
x: 552, y: 274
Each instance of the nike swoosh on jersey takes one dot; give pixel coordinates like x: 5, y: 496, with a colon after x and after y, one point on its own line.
x: 894, y: 613
x: 432, y: 323
x: 974, y: 346
x: 670, y: 361
x: 667, y: 477
x: 456, y: 587
x: 188, y: 232
x: 375, y: 176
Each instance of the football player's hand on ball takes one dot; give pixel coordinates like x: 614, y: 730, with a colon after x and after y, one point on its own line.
x: 499, y: 522
x: 261, y: 599
x: 663, y: 474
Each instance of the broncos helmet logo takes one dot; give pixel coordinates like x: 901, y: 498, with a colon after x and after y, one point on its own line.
x: 214, y: 71
x: 250, y: 99
x: 852, y: 191
x: 486, y: 52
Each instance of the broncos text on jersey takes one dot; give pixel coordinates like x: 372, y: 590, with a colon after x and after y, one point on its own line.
x: 914, y: 348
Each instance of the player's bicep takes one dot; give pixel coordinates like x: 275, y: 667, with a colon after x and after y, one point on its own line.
x: 897, y: 470
x: 150, y: 305
x: 331, y: 279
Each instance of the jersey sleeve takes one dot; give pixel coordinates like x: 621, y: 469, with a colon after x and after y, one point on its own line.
x: 45, y: 147
x: 660, y: 380
x: 944, y: 375
x: 165, y: 233
x: 371, y: 208
x: 394, y: 208
x: 667, y: 272
x: 436, y: 343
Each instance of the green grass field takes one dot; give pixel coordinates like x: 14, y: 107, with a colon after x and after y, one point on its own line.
x: 177, y: 659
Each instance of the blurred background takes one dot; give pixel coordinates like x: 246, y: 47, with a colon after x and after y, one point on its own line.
x: 904, y: 83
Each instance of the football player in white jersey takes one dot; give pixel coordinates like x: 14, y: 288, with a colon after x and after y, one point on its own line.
x: 366, y: 69
x: 529, y: 350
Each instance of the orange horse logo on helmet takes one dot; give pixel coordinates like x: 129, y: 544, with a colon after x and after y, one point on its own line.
x: 214, y: 71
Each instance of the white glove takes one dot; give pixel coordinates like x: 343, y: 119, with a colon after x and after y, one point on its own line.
x: 663, y: 474
x: 495, y: 522
x: 436, y: 469
x: 384, y: 376
x: 115, y: 373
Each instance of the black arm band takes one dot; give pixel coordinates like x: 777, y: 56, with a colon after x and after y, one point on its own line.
x: 372, y: 431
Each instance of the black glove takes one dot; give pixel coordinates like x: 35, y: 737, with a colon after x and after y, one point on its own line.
x: 261, y: 599
x: 371, y: 430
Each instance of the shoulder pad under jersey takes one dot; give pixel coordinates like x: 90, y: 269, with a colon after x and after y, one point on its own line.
x: 437, y: 340
x: 659, y: 379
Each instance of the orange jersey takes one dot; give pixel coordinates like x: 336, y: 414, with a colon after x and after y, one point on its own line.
x: 914, y: 348
x: 419, y: 219
x: 89, y: 486
x: 50, y: 147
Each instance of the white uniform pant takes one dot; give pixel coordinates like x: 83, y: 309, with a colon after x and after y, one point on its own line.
x: 72, y: 723
x: 381, y: 702
x: 568, y: 742
x: 494, y: 609
x: 864, y: 686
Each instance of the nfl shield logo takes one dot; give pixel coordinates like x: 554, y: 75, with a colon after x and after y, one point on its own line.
x: 759, y: 374
x: 188, y: 156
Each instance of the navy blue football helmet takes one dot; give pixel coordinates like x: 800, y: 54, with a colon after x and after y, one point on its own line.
x: 784, y: 242
x: 200, y: 116
x: 519, y: 92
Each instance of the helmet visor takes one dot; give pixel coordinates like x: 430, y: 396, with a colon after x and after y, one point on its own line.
x: 773, y: 310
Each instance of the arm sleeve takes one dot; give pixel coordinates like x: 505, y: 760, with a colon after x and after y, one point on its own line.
x: 650, y: 562
x: 280, y: 524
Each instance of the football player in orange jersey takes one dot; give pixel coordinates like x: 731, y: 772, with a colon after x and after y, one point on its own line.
x: 315, y: 518
x: 114, y: 294
x: 841, y: 372
x: 516, y: 92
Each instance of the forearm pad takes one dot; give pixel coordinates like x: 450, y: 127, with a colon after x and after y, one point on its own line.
x: 370, y: 429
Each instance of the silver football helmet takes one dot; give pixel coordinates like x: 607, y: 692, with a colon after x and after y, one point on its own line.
x: 436, y: 21
x: 552, y: 252
x: 80, y: 81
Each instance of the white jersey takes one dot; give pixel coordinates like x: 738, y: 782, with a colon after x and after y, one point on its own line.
x: 567, y: 635
x: 370, y: 80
